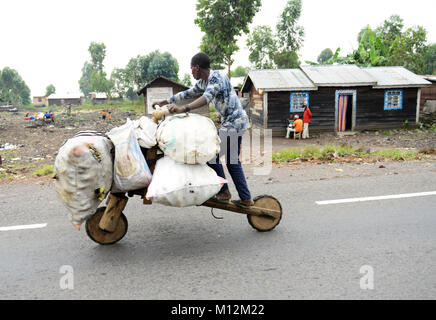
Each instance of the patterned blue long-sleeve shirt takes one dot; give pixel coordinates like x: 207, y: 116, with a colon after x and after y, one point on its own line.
x: 218, y: 92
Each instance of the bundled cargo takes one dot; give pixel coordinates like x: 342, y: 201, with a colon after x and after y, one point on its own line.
x: 188, y: 138
x: 83, y: 172
x: 181, y: 185
x: 131, y: 171
x: 145, y: 130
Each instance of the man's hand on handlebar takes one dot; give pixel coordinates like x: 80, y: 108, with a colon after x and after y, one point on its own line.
x: 175, y: 109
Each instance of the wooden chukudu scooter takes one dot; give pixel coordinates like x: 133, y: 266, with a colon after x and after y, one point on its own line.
x: 109, y: 225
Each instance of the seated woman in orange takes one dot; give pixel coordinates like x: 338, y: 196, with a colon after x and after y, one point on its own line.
x: 297, y: 125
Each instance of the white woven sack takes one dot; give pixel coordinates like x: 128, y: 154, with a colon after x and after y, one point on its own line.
x: 181, y: 185
x: 83, y: 173
x: 188, y: 138
x: 131, y: 171
x: 145, y: 130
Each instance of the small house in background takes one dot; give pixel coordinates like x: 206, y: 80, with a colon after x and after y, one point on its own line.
x: 40, y: 101
x: 341, y: 97
x: 428, y: 95
x: 162, y: 88
x: 73, y: 99
x: 98, y: 98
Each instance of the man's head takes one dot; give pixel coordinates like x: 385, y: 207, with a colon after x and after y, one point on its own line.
x: 199, y: 62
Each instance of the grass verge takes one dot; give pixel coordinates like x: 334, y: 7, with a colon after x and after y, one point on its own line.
x: 334, y: 152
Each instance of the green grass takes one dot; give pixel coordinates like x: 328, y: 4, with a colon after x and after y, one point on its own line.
x: 44, y: 171
x: 396, y: 154
x: 327, y: 152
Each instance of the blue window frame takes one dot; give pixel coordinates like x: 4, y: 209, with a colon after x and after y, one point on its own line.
x: 297, y: 101
x: 393, y: 99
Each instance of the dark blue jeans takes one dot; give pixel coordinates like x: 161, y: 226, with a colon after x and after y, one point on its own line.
x: 231, y: 148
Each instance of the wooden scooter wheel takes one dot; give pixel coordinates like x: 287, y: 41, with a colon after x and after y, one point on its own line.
x: 103, y: 237
x: 265, y: 223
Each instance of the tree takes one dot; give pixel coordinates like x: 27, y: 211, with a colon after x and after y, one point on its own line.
x: 93, y: 75
x: 120, y: 82
x: 98, y: 53
x: 430, y: 59
x: 287, y: 60
x: 163, y: 65
x: 325, y: 56
x: 262, y: 47
x: 13, y: 89
x: 289, y: 35
x: 50, y: 90
x: 99, y: 83
x: 85, y: 80
x: 240, y: 71
x: 390, y: 30
x: 186, y: 80
x: 409, y: 50
x: 222, y: 21
x: 215, y: 52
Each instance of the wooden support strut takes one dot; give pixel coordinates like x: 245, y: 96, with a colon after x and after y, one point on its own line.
x: 111, y: 216
x: 255, y: 211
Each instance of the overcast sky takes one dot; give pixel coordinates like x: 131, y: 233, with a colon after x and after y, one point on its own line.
x: 47, y: 41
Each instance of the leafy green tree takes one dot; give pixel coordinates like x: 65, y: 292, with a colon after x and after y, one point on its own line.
x: 287, y: 60
x: 325, y: 56
x: 131, y: 94
x: 262, y: 46
x: 93, y: 75
x: 98, y: 53
x: 50, y: 90
x: 85, y: 79
x: 186, y: 80
x: 409, y: 50
x: 99, y: 83
x: 390, y: 30
x: 290, y: 35
x: 430, y: 59
x: 163, y: 64
x: 240, y: 71
x: 120, y: 82
x: 223, y: 21
x: 215, y: 51
x: 13, y: 89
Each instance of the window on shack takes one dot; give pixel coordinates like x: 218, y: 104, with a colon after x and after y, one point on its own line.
x: 297, y: 101
x: 393, y: 100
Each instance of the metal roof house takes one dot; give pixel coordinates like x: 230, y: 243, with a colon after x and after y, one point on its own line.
x: 162, y: 88
x: 341, y: 97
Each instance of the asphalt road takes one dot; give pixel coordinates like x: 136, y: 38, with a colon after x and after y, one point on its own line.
x: 316, y: 252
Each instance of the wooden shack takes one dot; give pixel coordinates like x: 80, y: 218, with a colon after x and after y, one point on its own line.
x: 162, y: 88
x: 341, y: 98
x: 428, y: 93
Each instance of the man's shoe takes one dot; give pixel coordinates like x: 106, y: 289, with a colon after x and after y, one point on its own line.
x: 223, y: 196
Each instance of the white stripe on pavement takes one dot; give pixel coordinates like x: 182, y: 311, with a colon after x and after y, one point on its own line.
x: 395, y: 196
x: 24, y: 227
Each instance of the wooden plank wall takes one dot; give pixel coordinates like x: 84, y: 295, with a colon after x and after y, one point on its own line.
x: 428, y: 93
x: 256, y: 108
x: 370, y: 109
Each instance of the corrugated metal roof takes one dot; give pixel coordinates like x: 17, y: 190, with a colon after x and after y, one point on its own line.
x: 280, y: 80
x: 429, y: 77
x: 67, y: 95
x: 338, y: 75
x: 395, y: 77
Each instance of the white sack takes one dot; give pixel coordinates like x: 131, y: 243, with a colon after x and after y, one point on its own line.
x: 145, y: 130
x: 181, y: 185
x: 131, y: 171
x: 188, y: 138
x: 83, y: 173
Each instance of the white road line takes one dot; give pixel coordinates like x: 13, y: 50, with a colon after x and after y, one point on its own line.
x: 395, y: 196
x: 24, y: 227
